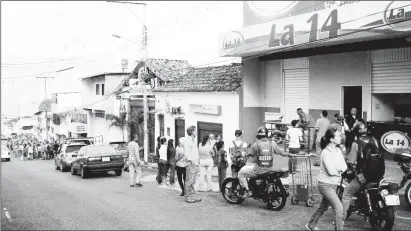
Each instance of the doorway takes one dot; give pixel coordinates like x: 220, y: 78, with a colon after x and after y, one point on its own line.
x: 205, y: 129
x: 179, y: 130
x: 351, y: 97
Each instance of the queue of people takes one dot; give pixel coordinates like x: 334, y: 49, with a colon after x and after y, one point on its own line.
x: 27, y: 147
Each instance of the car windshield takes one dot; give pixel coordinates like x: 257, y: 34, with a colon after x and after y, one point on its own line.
x: 119, y: 146
x: 98, y: 150
x: 73, y: 148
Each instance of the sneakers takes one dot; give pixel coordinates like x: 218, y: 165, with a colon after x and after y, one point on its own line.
x: 139, y: 185
x: 247, y: 194
x: 308, y: 227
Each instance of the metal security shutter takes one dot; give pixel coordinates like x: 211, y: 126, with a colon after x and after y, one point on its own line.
x: 391, y: 71
x: 295, y: 92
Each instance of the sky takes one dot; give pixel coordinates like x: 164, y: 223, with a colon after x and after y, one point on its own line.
x: 40, y: 38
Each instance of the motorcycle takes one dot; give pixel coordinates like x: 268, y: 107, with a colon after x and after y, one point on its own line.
x: 403, y: 158
x: 266, y: 188
x: 374, y: 202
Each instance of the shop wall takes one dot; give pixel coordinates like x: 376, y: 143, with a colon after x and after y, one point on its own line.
x: 382, y: 107
x: 229, y: 118
x: 328, y: 73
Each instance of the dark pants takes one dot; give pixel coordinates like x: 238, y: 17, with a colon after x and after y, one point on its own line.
x: 292, y: 161
x: 349, y: 140
x: 222, y: 172
x: 172, y: 169
x: 181, y: 176
x: 158, y: 178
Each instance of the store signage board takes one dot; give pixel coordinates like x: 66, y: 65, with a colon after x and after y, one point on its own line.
x: 206, y: 109
x: 393, y: 140
x: 78, y: 128
x: 336, y: 23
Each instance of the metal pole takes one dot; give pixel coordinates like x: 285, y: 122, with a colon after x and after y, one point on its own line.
x: 146, y: 135
x: 45, y: 101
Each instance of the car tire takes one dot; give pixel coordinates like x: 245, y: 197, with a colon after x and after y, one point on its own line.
x: 119, y: 172
x: 63, y: 168
x: 56, y: 166
x: 72, y: 170
x: 83, y: 173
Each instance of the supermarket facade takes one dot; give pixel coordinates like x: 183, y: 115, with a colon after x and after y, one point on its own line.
x: 322, y: 55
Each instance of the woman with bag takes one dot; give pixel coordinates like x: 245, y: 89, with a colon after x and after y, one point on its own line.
x: 222, y: 162
x: 171, y: 161
x: 163, y: 161
x: 332, y: 166
x: 181, y: 164
x: 206, y: 163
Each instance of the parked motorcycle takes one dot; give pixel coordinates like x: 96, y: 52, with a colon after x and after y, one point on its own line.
x: 374, y: 201
x: 266, y: 188
x: 403, y: 158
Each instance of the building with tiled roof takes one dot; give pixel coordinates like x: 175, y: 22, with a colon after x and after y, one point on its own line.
x: 206, y: 97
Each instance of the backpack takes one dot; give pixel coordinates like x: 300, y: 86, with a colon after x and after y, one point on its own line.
x: 238, y: 150
x: 370, y: 160
x: 264, y: 155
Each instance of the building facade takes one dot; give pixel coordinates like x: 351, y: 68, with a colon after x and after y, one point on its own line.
x: 207, y: 98
x: 317, y: 55
x: 99, y: 100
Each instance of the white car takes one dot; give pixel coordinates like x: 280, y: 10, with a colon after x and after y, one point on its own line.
x: 5, y: 153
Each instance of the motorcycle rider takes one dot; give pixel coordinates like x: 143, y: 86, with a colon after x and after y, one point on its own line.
x: 259, y: 149
x: 360, y: 131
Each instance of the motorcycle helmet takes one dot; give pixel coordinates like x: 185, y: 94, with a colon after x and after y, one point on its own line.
x: 262, y: 131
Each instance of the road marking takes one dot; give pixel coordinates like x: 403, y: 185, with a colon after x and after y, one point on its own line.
x: 8, y: 215
x: 405, y: 218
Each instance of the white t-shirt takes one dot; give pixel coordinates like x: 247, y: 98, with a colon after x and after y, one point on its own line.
x: 163, y: 152
x: 293, y: 135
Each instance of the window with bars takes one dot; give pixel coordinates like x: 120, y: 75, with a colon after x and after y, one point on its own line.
x: 100, y: 115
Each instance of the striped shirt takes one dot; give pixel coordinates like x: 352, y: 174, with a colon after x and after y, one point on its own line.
x: 133, y: 152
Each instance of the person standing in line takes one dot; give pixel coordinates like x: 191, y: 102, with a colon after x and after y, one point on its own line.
x: 294, y: 135
x: 158, y: 178
x: 30, y: 151
x: 222, y: 163
x: 332, y: 166
x: 181, y: 164
x: 134, y: 163
x: 321, y: 127
x: 25, y: 152
x: 206, y: 153
x: 189, y: 145
x: 171, y: 161
x: 163, y: 161
x: 351, y: 119
x: 304, y: 123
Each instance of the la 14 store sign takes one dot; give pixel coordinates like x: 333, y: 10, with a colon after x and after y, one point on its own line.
x: 355, y: 20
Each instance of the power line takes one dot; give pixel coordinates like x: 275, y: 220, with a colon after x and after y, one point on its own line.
x: 288, y: 48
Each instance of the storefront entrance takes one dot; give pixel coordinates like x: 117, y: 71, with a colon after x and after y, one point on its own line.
x: 180, y: 130
x: 352, y: 97
x: 205, y: 129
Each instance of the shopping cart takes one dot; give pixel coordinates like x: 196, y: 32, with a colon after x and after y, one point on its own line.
x: 302, y: 179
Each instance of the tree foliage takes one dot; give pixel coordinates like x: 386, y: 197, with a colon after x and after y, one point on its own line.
x: 45, y: 105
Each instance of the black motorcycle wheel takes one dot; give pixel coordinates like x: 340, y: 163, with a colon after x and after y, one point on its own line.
x: 384, y: 221
x: 278, y: 203
x: 407, y: 195
x: 231, y: 196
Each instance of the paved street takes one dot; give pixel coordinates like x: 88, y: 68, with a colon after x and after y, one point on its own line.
x: 35, y: 196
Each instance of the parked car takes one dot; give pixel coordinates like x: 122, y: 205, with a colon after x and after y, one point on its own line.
x: 79, y: 140
x: 66, y: 156
x: 121, y: 148
x: 97, y: 158
x: 5, y: 153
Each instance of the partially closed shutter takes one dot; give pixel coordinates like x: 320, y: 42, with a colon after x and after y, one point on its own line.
x: 295, y: 92
x: 391, y: 77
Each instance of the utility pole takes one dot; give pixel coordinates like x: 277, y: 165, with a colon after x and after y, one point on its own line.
x: 45, y: 101
x: 142, y: 84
